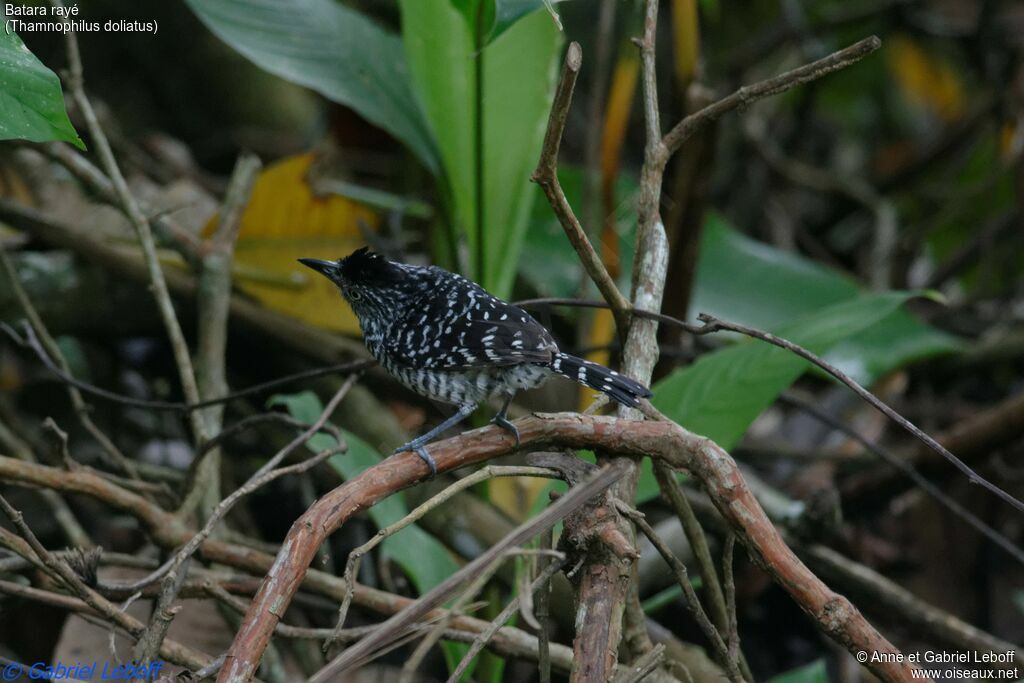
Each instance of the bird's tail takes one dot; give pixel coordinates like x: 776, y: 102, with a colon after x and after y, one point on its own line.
x: 626, y: 391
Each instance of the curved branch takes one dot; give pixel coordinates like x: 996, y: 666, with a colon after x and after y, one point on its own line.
x: 681, y: 449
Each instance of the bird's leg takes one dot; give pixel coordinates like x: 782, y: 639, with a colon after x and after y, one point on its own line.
x: 418, y: 445
x: 501, y: 419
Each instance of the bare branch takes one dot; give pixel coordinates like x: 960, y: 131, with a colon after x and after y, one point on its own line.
x: 139, y: 221
x: 749, y: 94
x: 713, y: 324
x: 546, y: 175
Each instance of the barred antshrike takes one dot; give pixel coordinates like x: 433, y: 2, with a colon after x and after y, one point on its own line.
x: 446, y: 338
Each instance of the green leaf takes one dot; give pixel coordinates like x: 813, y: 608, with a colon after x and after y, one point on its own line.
x: 422, y: 557
x: 723, y: 392
x: 332, y: 49
x: 487, y: 174
x: 508, y: 12
x: 500, y: 15
x: 733, y: 266
x: 31, y: 102
x: 427, y: 562
x: 815, y: 672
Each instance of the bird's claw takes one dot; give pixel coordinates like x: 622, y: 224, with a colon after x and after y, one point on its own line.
x: 420, y: 450
x: 508, y: 426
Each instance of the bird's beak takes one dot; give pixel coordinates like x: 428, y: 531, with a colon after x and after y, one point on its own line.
x: 326, y: 268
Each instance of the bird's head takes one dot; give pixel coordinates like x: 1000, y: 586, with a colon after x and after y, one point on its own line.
x: 371, y: 283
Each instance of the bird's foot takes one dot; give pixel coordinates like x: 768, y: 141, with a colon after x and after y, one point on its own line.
x: 508, y: 426
x: 420, y: 449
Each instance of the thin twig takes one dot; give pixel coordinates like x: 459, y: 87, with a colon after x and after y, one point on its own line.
x: 672, y: 492
x: 543, y: 611
x: 713, y: 324
x: 214, y: 306
x: 906, y: 468
x: 170, y: 534
x: 749, y: 94
x: 642, y: 667
x: 170, y: 232
x: 58, y: 568
x: 260, y: 418
x: 692, y: 602
x: 546, y: 175
x: 723, y: 483
x: 479, y: 581
x: 30, y: 341
x: 172, y: 651
x: 179, y: 346
x: 259, y: 478
x: 63, y: 515
x: 540, y: 583
x: 732, y: 630
x: 48, y: 348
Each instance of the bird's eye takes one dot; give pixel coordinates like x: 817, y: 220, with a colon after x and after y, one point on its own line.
x: 354, y: 295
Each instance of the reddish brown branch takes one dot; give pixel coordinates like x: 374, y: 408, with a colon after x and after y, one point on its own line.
x: 170, y: 533
x: 683, y: 450
x: 663, y: 440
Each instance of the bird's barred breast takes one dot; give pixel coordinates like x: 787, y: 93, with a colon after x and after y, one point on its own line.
x: 469, y: 386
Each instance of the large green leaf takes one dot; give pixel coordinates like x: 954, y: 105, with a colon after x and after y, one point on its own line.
x: 332, y: 49
x: 488, y: 162
x: 723, y: 392
x: 31, y: 102
x: 747, y: 281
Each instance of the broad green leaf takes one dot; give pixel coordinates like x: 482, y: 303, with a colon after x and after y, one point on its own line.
x: 746, y: 281
x: 332, y: 49
x: 487, y: 163
x: 815, y: 672
x: 723, y: 392
x: 422, y: 557
x: 31, y: 102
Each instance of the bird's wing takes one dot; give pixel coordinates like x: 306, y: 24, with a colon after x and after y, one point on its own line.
x: 485, y: 332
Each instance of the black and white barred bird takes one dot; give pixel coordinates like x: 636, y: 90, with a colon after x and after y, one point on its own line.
x: 446, y: 338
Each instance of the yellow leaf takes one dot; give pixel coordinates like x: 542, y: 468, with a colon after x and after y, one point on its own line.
x: 515, y: 495
x: 686, y: 43
x: 284, y: 221
x: 926, y: 79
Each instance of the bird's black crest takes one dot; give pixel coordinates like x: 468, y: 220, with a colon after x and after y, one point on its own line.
x: 363, y: 266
